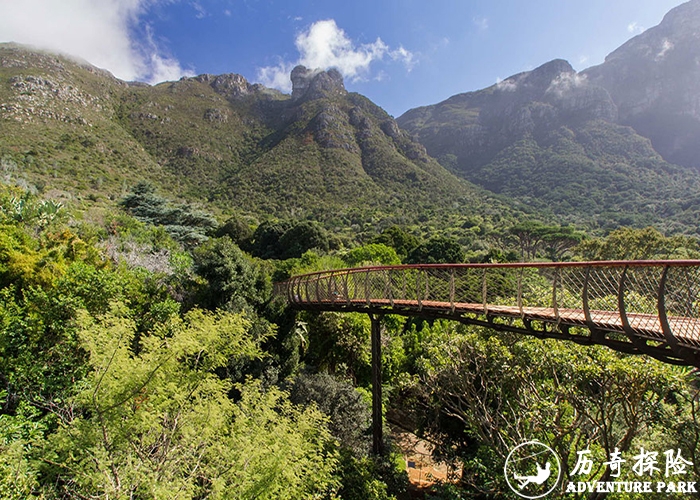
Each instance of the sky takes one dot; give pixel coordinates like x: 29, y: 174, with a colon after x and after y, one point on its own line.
x: 399, y: 53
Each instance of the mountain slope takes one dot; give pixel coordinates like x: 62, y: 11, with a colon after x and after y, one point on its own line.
x: 558, y: 140
x: 654, y: 80
x: 59, y: 127
x: 322, y: 152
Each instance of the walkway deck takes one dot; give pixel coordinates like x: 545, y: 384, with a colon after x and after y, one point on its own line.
x: 639, y: 307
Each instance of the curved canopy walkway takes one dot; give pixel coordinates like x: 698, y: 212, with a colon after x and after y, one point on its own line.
x: 638, y: 307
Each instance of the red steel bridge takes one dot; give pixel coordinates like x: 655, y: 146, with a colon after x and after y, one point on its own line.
x: 636, y: 307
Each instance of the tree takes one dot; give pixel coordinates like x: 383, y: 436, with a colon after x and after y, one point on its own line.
x: 638, y: 244
x: 340, y: 343
x: 480, y: 393
x: 183, y: 222
x: 350, y: 415
x: 530, y: 234
x: 398, y: 239
x: 437, y: 250
x: 301, y: 237
x: 372, y: 253
x: 266, y: 239
x: 559, y: 240
x: 235, y: 282
x: 238, y: 230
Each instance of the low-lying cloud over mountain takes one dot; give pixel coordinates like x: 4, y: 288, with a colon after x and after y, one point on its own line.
x: 107, y: 33
x: 324, y: 45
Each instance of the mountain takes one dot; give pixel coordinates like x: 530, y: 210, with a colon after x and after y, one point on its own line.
x: 566, y: 142
x: 654, y: 80
x: 321, y: 152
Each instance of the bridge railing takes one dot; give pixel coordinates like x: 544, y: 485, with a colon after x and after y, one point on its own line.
x: 655, y: 302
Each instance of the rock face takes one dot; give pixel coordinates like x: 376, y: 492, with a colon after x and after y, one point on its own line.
x: 230, y: 85
x: 475, y: 126
x: 621, y: 134
x: 654, y: 79
x: 651, y: 83
x: 310, y: 84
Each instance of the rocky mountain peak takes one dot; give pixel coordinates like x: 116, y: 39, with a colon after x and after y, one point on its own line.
x: 230, y: 84
x: 679, y: 32
x: 551, y: 70
x: 309, y: 84
x: 540, y: 79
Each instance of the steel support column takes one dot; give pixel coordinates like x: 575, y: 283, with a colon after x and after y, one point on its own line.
x: 377, y: 421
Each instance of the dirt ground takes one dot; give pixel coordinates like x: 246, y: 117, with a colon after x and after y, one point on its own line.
x: 422, y: 470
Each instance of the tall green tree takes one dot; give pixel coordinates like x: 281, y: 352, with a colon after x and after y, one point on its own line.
x: 397, y: 238
x: 184, y: 223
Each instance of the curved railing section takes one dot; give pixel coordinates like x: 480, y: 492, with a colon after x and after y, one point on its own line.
x: 639, y: 307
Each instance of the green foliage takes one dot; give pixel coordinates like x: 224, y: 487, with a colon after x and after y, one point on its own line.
x: 289, y: 240
x: 340, y: 343
x: 639, y: 244
x: 397, y: 238
x: 479, y: 393
x: 309, y: 262
x: 535, y: 238
x: 18, y: 474
x: 266, y: 239
x: 182, y: 222
x: 437, y: 250
x: 372, y: 254
x: 361, y: 478
x: 159, y: 424
x: 349, y: 413
x: 234, y: 280
x: 301, y: 237
x: 23, y: 208
x: 238, y: 230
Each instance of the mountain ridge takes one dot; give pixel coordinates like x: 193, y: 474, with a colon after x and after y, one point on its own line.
x: 321, y: 153
x: 564, y: 141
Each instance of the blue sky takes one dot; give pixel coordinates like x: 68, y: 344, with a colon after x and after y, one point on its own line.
x: 399, y: 53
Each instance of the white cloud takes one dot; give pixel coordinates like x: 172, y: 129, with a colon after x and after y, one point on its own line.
x: 324, y: 45
x: 482, y: 23
x: 635, y: 28
x: 277, y: 77
x: 508, y: 85
x: 666, y: 45
x: 404, y: 56
x: 566, y: 82
x: 99, y: 31
x: 201, y: 12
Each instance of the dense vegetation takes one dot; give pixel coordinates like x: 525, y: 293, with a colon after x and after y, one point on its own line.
x: 139, y: 362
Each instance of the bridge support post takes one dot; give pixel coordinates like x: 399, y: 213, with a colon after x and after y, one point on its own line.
x: 377, y: 421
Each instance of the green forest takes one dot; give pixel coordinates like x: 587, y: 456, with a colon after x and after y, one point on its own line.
x: 144, y: 356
